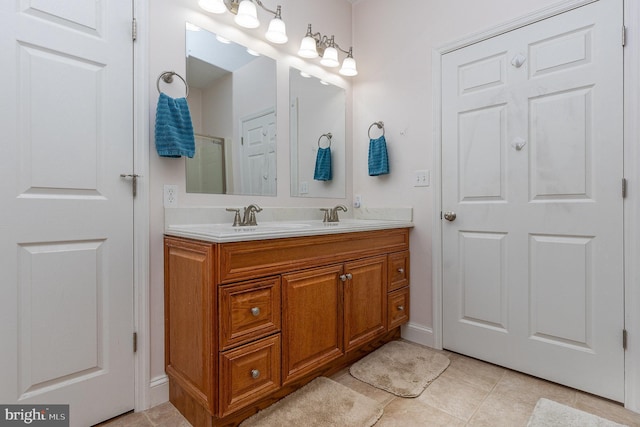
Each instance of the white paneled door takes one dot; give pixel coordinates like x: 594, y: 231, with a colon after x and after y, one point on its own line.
x: 66, y: 215
x: 259, y: 154
x: 532, y: 155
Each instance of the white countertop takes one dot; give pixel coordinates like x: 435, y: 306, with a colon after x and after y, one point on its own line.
x: 220, y: 233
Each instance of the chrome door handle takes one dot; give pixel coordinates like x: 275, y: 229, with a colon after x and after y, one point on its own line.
x: 450, y: 216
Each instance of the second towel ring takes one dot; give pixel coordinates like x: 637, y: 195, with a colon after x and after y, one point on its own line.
x: 380, y: 125
x: 167, y: 77
x: 328, y: 135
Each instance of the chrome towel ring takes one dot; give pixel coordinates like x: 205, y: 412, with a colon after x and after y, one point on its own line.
x: 379, y: 124
x: 167, y: 77
x: 325, y: 135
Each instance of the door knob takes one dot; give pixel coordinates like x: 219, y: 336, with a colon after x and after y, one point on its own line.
x: 450, y: 216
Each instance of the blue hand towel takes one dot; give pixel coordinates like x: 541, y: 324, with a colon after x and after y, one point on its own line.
x: 323, y: 165
x: 378, y: 158
x: 174, y: 130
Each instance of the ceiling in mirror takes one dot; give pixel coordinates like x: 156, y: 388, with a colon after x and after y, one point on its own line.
x: 232, y: 101
x: 317, y: 119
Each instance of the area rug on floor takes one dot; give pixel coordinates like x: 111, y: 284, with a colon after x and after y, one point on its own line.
x: 321, y: 403
x: 401, y: 368
x: 549, y: 413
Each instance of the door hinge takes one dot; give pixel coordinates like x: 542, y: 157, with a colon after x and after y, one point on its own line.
x: 624, y: 35
x: 134, y: 29
x: 135, y: 342
x: 624, y: 339
x: 624, y: 188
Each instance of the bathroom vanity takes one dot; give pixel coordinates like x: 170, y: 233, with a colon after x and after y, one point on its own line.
x: 251, y: 317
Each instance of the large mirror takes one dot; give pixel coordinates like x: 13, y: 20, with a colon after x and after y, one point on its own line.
x: 232, y: 100
x: 318, y: 137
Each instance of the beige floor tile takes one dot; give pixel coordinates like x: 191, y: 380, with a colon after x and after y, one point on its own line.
x: 166, y: 415
x: 365, y: 389
x: 401, y: 412
x: 482, y: 375
x: 606, y: 409
x: 502, y: 411
x: 530, y: 389
x: 137, y: 419
x: 453, y: 396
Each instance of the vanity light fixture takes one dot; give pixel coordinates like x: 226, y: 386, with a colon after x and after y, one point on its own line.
x: 316, y: 44
x: 247, y: 16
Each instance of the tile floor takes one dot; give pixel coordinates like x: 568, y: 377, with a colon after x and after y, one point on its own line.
x: 468, y: 393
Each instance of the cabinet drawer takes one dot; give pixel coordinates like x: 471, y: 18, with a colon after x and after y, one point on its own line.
x: 398, y: 307
x: 249, y: 310
x: 398, y: 270
x: 249, y: 373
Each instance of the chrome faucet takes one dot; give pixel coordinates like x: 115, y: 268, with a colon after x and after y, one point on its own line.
x: 331, y: 215
x: 249, y: 217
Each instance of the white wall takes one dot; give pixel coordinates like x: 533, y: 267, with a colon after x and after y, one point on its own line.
x: 167, y: 52
x: 393, y: 44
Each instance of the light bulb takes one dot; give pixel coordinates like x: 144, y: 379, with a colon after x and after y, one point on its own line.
x: 277, y: 32
x: 213, y: 6
x: 348, y: 67
x: 247, y: 16
x: 330, y: 57
x: 308, y: 48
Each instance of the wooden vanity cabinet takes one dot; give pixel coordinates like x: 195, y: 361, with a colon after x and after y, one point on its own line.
x: 248, y: 322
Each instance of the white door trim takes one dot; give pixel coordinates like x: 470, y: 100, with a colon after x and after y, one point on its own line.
x: 632, y: 173
x: 632, y: 203
x: 141, y: 110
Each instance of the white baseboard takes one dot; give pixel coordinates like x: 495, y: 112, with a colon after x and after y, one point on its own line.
x: 419, y: 334
x: 159, y: 390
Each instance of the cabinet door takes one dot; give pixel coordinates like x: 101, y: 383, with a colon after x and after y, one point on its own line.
x: 365, y: 300
x: 189, y: 308
x: 312, y: 320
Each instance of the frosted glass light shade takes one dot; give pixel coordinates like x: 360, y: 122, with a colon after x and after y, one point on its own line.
x: 213, y: 6
x: 348, y: 67
x: 277, y: 32
x: 308, y: 48
x: 247, y: 16
x: 330, y: 57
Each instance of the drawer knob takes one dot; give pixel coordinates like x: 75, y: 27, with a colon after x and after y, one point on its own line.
x: 401, y: 308
x: 401, y: 270
x: 255, y: 311
x: 255, y: 374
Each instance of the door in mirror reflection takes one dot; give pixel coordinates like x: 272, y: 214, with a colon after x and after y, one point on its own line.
x: 229, y: 90
x: 317, y: 109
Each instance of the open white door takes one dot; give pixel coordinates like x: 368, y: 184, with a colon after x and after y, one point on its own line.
x: 66, y: 222
x: 532, y: 157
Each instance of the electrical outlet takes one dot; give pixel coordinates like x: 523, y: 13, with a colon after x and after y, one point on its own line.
x: 170, y: 196
x: 304, y: 187
x: 357, y: 201
x: 421, y: 178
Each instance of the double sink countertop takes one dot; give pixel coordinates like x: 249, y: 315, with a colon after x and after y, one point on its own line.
x: 183, y: 224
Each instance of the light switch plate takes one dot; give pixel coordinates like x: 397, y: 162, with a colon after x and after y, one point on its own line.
x: 421, y: 178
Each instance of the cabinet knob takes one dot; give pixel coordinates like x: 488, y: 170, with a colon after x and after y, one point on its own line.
x: 255, y: 373
x: 343, y: 277
x: 255, y: 311
x: 401, y: 270
x: 349, y: 276
x: 401, y: 308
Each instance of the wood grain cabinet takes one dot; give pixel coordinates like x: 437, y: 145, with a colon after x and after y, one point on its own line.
x: 248, y: 322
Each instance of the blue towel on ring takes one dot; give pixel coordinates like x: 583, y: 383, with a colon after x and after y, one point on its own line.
x: 378, y: 157
x: 323, y: 165
x: 174, y: 130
